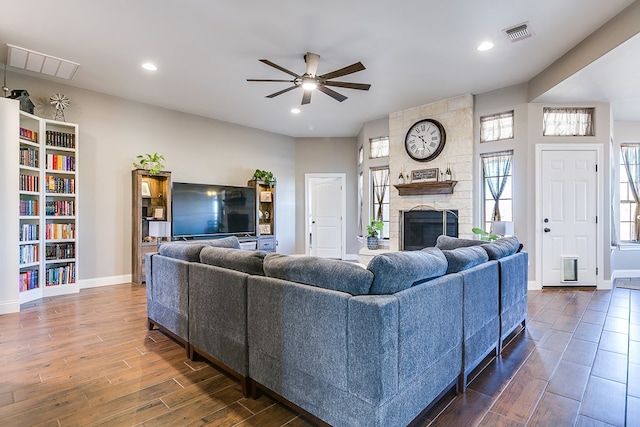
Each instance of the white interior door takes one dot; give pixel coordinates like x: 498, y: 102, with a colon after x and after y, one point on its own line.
x: 325, y: 215
x: 569, y: 215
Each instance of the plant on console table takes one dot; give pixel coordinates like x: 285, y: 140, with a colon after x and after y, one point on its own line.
x: 151, y: 162
x: 373, y: 229
x: 486, y: 236
x: 266, y: 176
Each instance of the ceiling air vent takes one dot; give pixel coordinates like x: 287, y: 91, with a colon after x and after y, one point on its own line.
x: 519, y: 32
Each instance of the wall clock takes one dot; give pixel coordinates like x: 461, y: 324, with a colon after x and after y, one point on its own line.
x: 425, y: 140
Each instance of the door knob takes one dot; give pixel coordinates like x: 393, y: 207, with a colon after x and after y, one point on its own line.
x: 546, y: 229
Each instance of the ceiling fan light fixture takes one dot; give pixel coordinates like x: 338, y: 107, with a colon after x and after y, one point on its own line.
x: 309, y: 83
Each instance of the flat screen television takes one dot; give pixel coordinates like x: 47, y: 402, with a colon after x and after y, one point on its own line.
x: 206, y: 210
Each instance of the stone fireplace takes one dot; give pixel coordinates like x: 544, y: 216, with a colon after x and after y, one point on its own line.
x: 420, y: 228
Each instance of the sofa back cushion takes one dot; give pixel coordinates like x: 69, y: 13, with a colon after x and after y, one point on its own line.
x: 396, y: 271
x: 224, y: 242
x: 182, y: 251
x: 249, y: 262
x: 321, y: 272
x: 464, y: 258
x: 446, y: 243
x: 502, y: 247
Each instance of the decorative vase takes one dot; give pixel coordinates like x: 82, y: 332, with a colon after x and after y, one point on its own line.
x: 372, y: 242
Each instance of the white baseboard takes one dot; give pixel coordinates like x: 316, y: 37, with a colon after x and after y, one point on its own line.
x: 7, y: 307
x: 620, y: 274
x: 104, y: 281
x: 351, y: 257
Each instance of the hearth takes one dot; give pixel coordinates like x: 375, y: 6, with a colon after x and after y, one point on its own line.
x: 420, y: 228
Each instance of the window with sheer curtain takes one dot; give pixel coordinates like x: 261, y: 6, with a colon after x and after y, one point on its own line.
x: 496, y: 127
x: 497, y: 188
x: 629, y: 189
x: 360, y: 200
x: 360, y: 155
x: 380, y: 197
x: 379, y: 147
x: 567, y: 121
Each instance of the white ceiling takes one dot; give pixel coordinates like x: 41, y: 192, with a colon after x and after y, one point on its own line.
x: 415, y: 51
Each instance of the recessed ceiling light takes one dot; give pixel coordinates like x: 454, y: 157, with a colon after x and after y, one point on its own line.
x: 149, y: 66
x: 295, y: 110
x: 485, y: 46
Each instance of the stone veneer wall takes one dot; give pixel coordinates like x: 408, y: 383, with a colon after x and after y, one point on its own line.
x: 456, y: 115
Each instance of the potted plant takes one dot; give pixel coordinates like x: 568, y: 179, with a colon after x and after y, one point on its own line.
x: 151, y: 162
x: 266, y: 176
x: 373, y: 229
x: 487, y: 237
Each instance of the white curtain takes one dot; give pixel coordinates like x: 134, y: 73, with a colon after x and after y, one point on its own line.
x: 631, y: 159
x: 496, y: 168
x: 380, y: 187
x: 567, y: 121
x: 496, y: 127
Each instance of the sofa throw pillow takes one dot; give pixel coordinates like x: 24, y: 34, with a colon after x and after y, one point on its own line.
x: 250, y: 262
x: 446, y: 243
x: 464, y: 258
x: 396, y: 271
x: 224, y: 242
x: 502, y: 247
x: 321, y: 272
x: 184, y: 251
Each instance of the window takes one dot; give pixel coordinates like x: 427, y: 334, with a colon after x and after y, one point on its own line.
x: 497, y: 187
x: 496, y: 127
x: 379, y: 147
x: 567, y: 121
x: 360, y: 155
x: 360, y: 201
x: 629, y: 187
x: 380, y: 198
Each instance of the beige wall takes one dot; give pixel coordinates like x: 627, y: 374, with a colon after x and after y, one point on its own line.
x: 327, y: 155
x: 113, y: 131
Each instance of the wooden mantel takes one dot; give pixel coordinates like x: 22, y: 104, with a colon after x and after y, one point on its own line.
x: 426, y: 188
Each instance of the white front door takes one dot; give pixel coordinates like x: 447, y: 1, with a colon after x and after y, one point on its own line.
x: 325, y: 215
x: 569, y: 217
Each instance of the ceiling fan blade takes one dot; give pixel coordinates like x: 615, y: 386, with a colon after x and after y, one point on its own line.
x: 276, y: 66
x: 353, y: 68
x: 306, y: 97
x: 312, y: 60
x: 332, y: 93
x: 273, y: 95
x: 269, y: 80
x: 359, y: 86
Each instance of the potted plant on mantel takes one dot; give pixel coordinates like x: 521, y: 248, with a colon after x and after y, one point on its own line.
x: 266, y: 176
x: 373, y: 229
x: 151, y: 162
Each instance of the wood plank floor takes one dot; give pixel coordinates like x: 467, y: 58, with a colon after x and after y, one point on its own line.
x: 88, y: 359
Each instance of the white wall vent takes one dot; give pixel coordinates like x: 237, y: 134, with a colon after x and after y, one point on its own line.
x: 518, y: 32
x: 37, y: 62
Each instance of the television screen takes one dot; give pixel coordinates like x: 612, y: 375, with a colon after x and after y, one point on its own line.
x: 204, y: 210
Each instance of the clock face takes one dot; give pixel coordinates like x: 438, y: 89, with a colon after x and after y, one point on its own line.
x: 425, y: 140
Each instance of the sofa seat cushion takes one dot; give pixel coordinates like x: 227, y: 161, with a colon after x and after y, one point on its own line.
x: 396, y: 271
x: 321, y: 272
x: 447, y: 243
x: 464, y: 258
x: 502, y: 247
x: 249, y: 262
x: 185, y: 252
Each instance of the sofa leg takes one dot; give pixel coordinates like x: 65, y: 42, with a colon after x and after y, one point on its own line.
x: 462, y: 382
x: 254, y: 389
x: 187, y: 348
x: 149, y: 324
x: 245, y: 384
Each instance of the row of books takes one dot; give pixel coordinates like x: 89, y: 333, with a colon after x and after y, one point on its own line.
x: 28, y: 182
x: 61, y: 275
x: 61, y: 162
x: 60, y: 251
x: 29, y: 232
x: 60, y: 208
x: 59, y: 185
x: 28, y: 280
x: 60, y: 139
x: 29, y: 254
x: 29, y: 134
x: 60, y: 231
x: 29, y: 157
x: 28, y: 207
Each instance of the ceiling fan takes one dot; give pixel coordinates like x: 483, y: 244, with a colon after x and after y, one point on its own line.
x: 309, y: 81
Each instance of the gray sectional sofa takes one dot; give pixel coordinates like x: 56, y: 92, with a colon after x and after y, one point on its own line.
x: 347, y: 345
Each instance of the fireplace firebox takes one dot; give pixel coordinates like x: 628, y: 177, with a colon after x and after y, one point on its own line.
x: 420, y: 228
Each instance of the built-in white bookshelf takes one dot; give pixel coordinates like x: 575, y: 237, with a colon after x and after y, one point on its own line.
x: 45, y: 204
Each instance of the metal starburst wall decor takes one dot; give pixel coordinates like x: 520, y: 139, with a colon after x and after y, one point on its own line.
x: 60, y: 102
